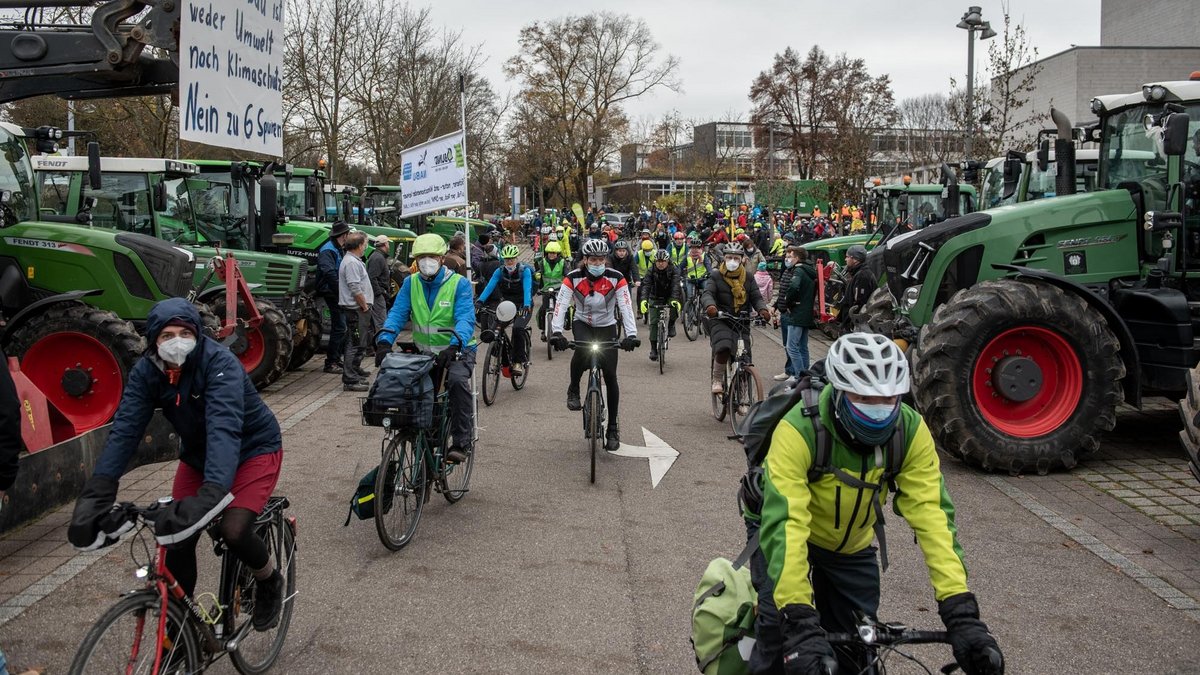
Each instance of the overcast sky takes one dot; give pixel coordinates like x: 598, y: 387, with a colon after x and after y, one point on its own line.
x: 722, y: 44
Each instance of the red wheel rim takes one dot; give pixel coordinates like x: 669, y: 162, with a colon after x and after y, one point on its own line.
x: 1054, y: 401
x: 46, y: 362
x: 256, y: 348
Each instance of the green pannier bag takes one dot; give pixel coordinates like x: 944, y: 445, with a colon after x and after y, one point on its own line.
x: 362, y: 504
x: 723, y: 615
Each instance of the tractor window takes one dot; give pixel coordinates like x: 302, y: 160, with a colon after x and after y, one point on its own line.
x: 1129, y: 153
x: 291, y: 198
x: 177, y: 222
x: 992, y: 194
x: 219, y: 209
x: 123, y: 203
x: 55, y: 192
x: 16, y: 178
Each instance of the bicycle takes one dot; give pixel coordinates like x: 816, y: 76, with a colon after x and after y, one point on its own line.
x: 693, y: 324
x: 162, y: 629
x: 874, y: 641
x: 551, y: 295
x: 414, y: 461
x: 498, y: 359
x: 593, y: 401
x: 664, y: 323
x: 742, y: 387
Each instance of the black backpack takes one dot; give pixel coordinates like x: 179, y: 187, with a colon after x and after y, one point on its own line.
x: 758, y: 427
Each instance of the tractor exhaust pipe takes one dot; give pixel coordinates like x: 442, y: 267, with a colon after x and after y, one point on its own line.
x: 1064, y: 153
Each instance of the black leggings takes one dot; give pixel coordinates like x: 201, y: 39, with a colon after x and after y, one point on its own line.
x: 581, y: 360
x: 237, y: 530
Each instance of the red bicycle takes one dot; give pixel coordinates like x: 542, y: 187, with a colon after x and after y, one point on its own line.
x: 160, y: 629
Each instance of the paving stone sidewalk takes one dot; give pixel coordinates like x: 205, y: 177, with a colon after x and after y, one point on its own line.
x: 36, y: 559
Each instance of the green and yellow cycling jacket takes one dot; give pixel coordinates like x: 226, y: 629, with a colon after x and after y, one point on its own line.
x: 837, y: 517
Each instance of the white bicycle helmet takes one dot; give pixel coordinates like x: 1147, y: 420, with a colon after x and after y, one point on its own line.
x: 867, y: 364
x: 594, y: 247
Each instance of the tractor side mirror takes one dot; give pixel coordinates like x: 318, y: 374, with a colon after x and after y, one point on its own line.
x: 1043, y: 155
x: 95, y: 180
x: 268, y: 210
x: 1175, y: 134
x: 160, y: 196
x: 902, y: 205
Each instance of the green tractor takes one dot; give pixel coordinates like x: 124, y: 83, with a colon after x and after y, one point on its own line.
x: 150, y: 196
x: 72, y: 298
x: 898, y: 209
x: 1033, y: 322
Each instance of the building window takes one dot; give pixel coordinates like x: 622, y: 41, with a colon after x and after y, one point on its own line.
x: 734, y: 138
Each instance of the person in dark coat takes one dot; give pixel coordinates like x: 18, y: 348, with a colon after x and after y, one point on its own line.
x: 661, y: 287
x: 798, y: 298
x: 860, y: 284
x: 10, y: 428
x: 380, y: 273
x: 730, y: 289
x: 229, y: 461
x: 329, y: 260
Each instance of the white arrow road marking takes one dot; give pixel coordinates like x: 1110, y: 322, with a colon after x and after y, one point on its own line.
x: 660, y: 454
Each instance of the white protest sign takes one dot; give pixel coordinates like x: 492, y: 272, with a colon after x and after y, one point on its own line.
x: 433, y: 175
x: 231, y: 74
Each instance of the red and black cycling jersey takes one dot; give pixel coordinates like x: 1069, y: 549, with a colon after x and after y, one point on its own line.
x: 596, y: 300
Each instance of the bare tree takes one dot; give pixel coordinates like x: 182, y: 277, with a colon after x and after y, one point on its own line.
x: 581, y: 70
x: 928, y: 130
x: 863, y: 107
x: 793, y: 95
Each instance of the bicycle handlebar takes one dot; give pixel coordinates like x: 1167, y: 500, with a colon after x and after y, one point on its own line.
x: 604, y: 344
x: 888, y: 637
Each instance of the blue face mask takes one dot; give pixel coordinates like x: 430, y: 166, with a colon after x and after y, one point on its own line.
x: 789, y: 263
x: 595, y: 270
x: 870, y: 424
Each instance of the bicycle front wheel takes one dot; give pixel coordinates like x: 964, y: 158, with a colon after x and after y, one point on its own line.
x: 691, y: 323
x: 718, y: 400
x: 548, y: 332
x: 745, y: 391
x: 257, y: 651
x: 518, y: 381
x: 491, y: 373
x: 125, y: 640
x: 399, y: 493
x: 593, y: 411
x: 662, y: 350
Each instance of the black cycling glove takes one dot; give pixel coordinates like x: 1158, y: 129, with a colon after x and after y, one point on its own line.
x: 447, y: 355
x: 176, y: 522
x: 975, y: 649
x: 94, y: 523
x: 630, y: 343
x: 805, y: 649
x: 558, y: 342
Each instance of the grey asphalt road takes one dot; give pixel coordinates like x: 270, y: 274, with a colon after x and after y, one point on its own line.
x: 537, y: 571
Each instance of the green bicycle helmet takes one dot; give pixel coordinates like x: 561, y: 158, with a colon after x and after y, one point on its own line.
x: 428, y: 244
x: 510, y: 251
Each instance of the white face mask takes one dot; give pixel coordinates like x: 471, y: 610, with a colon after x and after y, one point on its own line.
x: 428, y: 266
x: 175, y: 350
x: 732, y: 264
x: 511, y: 267
x: 876, y: 411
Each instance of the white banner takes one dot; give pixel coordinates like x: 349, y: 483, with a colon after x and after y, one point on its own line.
x: 433, y: 175
x: 231, y: 74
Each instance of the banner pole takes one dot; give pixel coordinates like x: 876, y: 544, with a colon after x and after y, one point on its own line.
x: 462, y: 118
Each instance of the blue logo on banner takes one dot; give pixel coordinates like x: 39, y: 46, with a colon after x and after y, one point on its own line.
x: 407, y: 170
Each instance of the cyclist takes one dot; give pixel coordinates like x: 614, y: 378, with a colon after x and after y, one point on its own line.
x: 814, y: 571
x: 695, y: 271
x: 437, y: 299
x: 622, y: 262
x: 730, y: 289
x: 548, y: 274
x: 660, y: 287
x: 678, y: 249
x: 644, y: 257
x: 231, y: 452
x: 515, y: 283
x: 597, y: 292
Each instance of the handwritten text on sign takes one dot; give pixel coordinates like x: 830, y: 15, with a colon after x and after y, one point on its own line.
x: 230, y: 74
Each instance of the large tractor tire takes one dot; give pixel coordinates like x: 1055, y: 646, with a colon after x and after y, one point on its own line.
x: 879, y: 314
x: 306, y: 344
x: 1018, y: 376
x: 1189, y: 410
x: 80, y: 358
x: 264, y: 351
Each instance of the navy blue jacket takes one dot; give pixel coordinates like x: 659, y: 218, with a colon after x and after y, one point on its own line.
x: 329, y: 260
x: 220, y: 418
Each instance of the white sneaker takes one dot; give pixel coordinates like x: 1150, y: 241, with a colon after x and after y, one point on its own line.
x: 781, y: 377
x: 718, y: 387
x: 518, y: 370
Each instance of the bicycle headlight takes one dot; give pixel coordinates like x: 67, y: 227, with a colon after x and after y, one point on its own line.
x: 142, y: 572
x: 867, y: 633
x: 595, y: 348
x: 911, y: 295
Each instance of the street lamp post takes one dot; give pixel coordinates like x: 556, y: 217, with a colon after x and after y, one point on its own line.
x: 972, y: 22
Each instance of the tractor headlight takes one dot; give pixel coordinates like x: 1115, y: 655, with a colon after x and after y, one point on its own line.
x: 1154, y: 93
x: 911, y: 295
